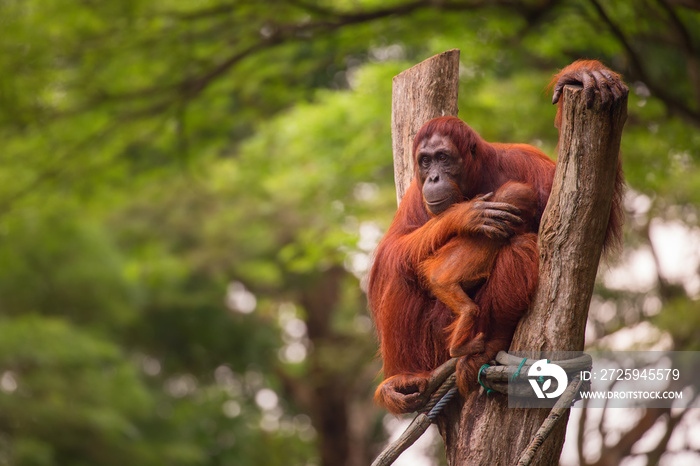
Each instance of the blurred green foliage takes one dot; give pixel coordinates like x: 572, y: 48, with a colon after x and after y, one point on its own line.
x: 190, y: 194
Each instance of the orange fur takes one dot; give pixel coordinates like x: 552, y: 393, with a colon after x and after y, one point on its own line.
x: 466, y: 263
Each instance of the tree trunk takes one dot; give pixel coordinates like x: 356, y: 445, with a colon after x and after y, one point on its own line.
x: 482, y: 429
x: 421, y: 93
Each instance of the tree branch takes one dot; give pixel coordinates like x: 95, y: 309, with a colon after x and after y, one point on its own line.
x: 685, y: 41
x: 580, y: 435
x: 275, y: 34
x: 674, y: 104
x: 654, y: 455
x: 690, y: 4
x: 612, y: 455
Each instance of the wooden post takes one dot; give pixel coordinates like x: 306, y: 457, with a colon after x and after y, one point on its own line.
x: 421, y: 93
x: 482, y: 429
x: 571, y: 238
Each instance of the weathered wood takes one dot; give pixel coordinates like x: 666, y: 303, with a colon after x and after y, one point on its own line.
x: 574, y: 224
x: 422, y: 92
x: 485, y: 430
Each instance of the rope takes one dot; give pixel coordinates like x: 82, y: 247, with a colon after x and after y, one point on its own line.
x: 429, y: 413
x: 440, y: 393
x: 433, y: 414
x: 560, y: 407
x: 446, y: 391
x: 517, y: 373
x: 478, y: 379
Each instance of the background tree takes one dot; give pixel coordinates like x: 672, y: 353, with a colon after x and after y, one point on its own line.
x: 189, y: 195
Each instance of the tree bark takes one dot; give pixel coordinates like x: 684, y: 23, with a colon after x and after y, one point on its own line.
x: 482, y: 429
x: 421, y: 93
